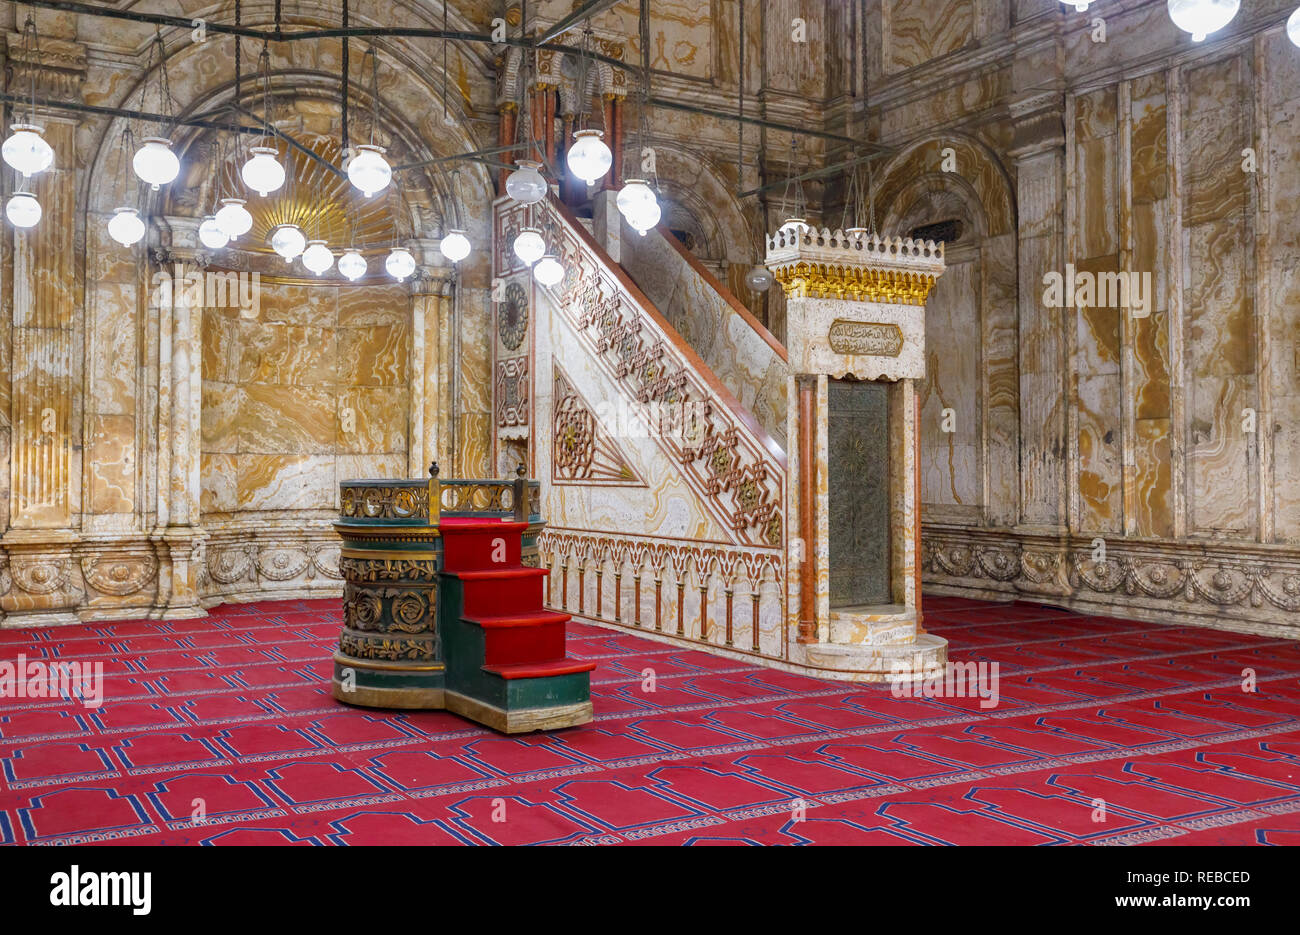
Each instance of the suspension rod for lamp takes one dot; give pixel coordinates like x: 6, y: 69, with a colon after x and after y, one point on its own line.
x: 816, y: 173
x: 403, y: 32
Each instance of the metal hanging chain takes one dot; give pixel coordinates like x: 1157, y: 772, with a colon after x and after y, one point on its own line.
x: 343, y: 88
x: 740, y: 107
x: 584, y: 70
x: 166, y: 104
x: 446, y: 112
x: 643, y: 123
x: 126, y: 145
x: 374, y: 92
x: 32, y: 51
x: 264, y: 66
x: 852, y: 201
x: 871, y: 199
x: 793, y: 181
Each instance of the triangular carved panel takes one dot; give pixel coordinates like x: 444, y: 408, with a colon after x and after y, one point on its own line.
x: 582, y: 450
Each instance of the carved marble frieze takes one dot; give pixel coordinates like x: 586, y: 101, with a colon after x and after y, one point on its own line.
x: 1247, y: 587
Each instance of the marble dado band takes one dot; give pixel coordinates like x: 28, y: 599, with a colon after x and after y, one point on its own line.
x: 1200, y: 584
x: 122, y: 579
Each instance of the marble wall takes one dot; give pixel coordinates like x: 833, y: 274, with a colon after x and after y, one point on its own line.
x: 1136, y: 460
x: 162, y: 455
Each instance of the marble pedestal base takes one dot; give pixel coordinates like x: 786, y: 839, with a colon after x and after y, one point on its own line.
x: 877, y: 644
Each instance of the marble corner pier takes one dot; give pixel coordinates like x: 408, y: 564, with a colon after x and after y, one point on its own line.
x: 856, y: 344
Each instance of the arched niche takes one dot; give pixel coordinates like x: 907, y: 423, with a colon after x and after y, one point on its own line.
x: 969, y: 397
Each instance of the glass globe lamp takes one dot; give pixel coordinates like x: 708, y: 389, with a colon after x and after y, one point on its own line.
x: 759, y: 279
x: 368, y: 170
x: 352, y: 264
x: 26, y: 150
x: 589, y: 158
x: 23, y: 210
x: 288, y: 241
x: 1202, y: 17
x: 548, y: 271
x: 455, y: 246
x: 233, y: 218
x: 155, y: 163
x: 211, y: 235
x: 526, y: 184
x: 400, y: 263
x: 317, y: 257
x: 125, y: 226
x: 529, y: 245
x: 262, y: 172
x: 638, y: 205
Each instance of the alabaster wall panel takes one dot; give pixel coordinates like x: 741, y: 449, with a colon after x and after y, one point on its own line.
x: 323, y: 372
x: 287, y: 354
x: 950, y: 393
x: 285, y: 482
x: 920, y: 31
x: 112, y: 463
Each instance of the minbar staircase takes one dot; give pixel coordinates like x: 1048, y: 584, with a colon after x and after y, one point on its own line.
x: 504, y: 652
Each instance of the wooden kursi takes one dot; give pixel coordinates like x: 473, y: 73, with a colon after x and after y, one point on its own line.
x: 442, y: 605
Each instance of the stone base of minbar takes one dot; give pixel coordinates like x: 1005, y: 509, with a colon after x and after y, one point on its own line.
x: 876, y: 644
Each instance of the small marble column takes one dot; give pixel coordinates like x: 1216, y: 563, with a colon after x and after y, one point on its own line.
x: 180, y: 388
x: 432, y: 364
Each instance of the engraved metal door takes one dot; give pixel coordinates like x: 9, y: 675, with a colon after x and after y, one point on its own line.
x: 858, y: 471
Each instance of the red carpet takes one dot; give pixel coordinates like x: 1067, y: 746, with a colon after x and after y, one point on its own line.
x: 232, y: 716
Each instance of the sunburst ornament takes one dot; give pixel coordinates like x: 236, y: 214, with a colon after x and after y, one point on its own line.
x: 318, y: 200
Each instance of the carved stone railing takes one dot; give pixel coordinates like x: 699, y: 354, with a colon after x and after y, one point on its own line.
x: 718, y: 594
x: 738, y: 349
x: 734, y: 467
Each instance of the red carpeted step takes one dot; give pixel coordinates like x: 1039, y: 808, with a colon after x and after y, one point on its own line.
x: 502, y: 592
x: 541, y: 670
x: 522, y: 638
x: 474, y: 545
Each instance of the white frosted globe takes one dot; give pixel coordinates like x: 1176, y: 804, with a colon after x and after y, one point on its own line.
x: 638, y: 205
x: 1080, y: 6
x: 233, y: 218
x: 262, y: 172
x: 26, y: 150
x: 211, y: 235
x: 589, y: 158
x: 317, y: 257
x: 155, y: 163
x: 23, y: 210
x: 125, y: 226
x: 352, y: 264
x: 1202, y: 17
x: 288, y: 241
x: 368, y: 170
x: 759, y: 279
x: 529, y: 245
x: 1293, y: 27
x: 400, y: 263
x: 549, y: 271
x: 526, y: 184
x: 455, y: 246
